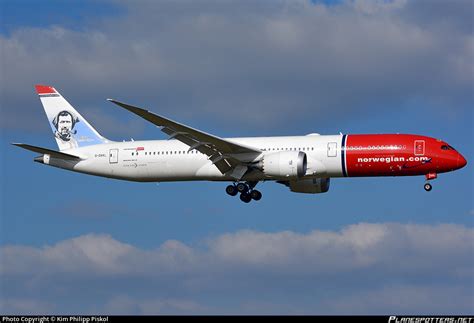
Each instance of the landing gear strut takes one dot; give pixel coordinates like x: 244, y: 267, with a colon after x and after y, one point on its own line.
x: 246, y: 190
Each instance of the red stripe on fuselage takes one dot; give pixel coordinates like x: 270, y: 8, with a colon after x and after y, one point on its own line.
x: 389, y: 155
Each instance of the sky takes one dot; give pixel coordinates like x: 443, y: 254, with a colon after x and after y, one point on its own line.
x: 73, y: 243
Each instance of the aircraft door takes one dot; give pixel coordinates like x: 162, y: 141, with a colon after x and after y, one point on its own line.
x: 419, y: 147
x: 332, y: 149
x: 113, y: 156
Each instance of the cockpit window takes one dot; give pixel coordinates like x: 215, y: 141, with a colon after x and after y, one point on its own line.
x: 447, y: 147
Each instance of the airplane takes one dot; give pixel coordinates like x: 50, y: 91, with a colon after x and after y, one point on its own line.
x: 305, y: 164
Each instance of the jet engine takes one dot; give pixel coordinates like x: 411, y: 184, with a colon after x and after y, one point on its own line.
x: 290, y: 164
x: 310, y: 185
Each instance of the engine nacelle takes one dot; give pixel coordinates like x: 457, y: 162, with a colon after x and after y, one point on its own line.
x: 310, y: 185
x: 288, y: 164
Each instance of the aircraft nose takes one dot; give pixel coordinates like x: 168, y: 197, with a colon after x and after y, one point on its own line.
x: 461, y: 162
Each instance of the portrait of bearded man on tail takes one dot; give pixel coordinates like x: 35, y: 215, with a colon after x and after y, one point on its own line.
x: 64, y: 123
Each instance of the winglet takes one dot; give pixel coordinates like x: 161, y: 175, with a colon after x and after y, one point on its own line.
x: 117, y: 102
x: 134, y: 109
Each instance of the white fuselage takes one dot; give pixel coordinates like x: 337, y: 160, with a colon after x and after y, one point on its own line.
x: 171, y: 160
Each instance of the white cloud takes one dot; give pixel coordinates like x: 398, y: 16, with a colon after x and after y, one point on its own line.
x: 362, y: 265
x: 124, y: 305
x: 376, y: 6
x: 287, y: 60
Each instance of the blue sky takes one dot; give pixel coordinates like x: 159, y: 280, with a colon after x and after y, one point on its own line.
x: 237, y: 69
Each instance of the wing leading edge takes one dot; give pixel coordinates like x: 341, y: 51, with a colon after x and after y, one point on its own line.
x: 224, y: 154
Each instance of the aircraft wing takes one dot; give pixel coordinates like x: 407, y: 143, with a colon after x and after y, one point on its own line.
x: 223, y: 153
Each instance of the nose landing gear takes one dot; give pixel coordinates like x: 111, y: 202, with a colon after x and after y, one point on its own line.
x: 246, y: 190
x: 429, y: 177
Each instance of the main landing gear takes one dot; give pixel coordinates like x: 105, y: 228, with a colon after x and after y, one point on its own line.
x: 246, y: 190
x: 427, y: 185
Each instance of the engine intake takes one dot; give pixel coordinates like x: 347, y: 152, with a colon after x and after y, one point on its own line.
x: 288, y: 164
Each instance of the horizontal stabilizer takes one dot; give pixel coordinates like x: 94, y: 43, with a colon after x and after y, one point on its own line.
x: 52, y: 153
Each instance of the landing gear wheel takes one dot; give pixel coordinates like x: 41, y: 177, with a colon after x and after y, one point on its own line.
x: 246, y: 198
x: 231, y: 190
x: 256, y: 195
x: 428, y: 187
x: 242, y: 188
